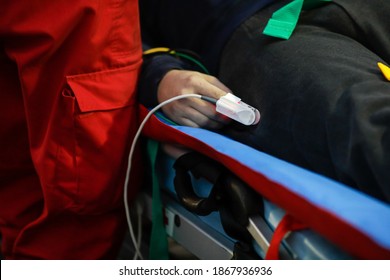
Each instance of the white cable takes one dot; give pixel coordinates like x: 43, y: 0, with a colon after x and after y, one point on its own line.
x: 125, y: 194
x: 139, y: 240
x: 139, y: 210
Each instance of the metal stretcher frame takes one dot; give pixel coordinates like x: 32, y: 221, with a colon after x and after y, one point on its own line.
x: 199, y: 238
x: 205, y: 236
x: 348, y: 218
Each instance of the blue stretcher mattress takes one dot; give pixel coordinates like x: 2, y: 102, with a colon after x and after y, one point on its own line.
x: 357, y: 223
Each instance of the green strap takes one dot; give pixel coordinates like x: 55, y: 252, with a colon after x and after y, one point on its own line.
x: 158, y: 240
x: 283, y: 21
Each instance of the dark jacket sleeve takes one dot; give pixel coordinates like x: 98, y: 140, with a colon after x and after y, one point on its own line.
x: 153, y: 70
x: 155, y: 66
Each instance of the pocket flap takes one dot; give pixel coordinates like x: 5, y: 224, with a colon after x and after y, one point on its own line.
x: 105, y: 90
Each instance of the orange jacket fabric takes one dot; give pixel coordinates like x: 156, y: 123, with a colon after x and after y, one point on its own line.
x: 68, y: 76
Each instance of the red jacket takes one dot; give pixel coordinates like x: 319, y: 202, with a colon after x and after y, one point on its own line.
x: 68, y: 78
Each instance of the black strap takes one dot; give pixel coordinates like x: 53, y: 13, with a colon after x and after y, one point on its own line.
x: 200, y: 166
x: 235, y: 200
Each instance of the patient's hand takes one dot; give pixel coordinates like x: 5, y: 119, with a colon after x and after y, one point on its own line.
x: 192, y: 111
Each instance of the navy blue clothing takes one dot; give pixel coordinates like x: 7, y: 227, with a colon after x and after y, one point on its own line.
x: 203, y: 26
x: 324, y: 103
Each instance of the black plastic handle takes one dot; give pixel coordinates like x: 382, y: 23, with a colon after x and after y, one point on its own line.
x: 199, y: 166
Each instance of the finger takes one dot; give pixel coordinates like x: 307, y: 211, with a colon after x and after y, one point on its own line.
x: 220, y: 88
x: 187, y: 122
x: 196, y: 109
x: 208, y: 109
x: 203, y: 120
x: 204, y: 123
x: 193, y: 113
x: 193, y: 117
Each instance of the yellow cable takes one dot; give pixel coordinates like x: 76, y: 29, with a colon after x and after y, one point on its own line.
x: 385, y: 70
x: 156, y: 50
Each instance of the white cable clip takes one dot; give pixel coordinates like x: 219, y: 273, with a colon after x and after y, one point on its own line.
x: 232, y: 106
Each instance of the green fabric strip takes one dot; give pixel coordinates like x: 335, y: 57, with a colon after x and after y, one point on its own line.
x: 158, y: 240
x: 283, y: 21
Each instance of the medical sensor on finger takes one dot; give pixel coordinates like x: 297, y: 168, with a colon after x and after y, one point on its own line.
x: 232, y: 106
